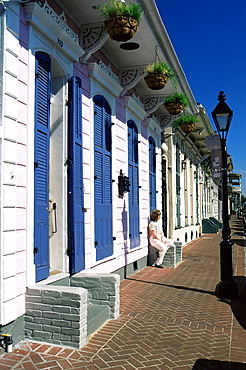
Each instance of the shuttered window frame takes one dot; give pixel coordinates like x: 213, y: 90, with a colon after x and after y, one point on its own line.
x: 76, y: 244
x: 152, y: 173
x: 103, y: 178
x: 133, y: 195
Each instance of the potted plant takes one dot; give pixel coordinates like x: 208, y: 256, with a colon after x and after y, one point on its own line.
x: 121, y: 19
x: 186, y: 122
x: 176, y: 103
x: 158, y: 74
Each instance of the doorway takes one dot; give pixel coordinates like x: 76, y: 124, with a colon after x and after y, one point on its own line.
x: 50, y: 175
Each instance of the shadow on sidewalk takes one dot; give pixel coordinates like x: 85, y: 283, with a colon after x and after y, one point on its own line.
x: 204, y: 364
x: 238, y: 305
x: 174, y: 286
x: 240, y: 242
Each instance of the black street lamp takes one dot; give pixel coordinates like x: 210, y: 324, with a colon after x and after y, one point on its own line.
x: 227, y: 287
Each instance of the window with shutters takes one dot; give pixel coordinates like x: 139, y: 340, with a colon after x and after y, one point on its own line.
x: 178, y: 197
x: 197, y: 196
x: 152, y: 173
x: 103, y: 178
x: 134, y: 231
x: 75, y: 179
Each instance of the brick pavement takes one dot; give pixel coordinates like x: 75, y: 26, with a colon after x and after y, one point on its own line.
x: 170, y: 319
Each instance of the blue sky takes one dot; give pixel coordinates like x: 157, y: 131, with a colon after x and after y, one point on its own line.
x: 209, y: 37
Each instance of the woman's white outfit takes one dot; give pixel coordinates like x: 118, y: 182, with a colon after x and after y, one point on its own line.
x: 163, y: 244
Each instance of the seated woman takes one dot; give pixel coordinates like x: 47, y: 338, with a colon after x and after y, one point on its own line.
x: 157, y: 238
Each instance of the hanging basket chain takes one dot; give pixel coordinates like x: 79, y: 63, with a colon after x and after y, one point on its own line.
x: 157, y: 58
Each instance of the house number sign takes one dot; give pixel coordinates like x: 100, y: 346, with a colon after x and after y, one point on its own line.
x: 59, y: 42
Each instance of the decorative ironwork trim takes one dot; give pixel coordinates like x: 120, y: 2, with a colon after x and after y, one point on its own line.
x: 130, y: 77
x: 54, y: 27
x: 93, y: 38
x: 152, y: 103
x: 60, y: 19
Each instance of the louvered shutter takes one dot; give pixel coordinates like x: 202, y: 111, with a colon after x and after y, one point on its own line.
x: 75, y: 179
x: 41, y: 165
x: 152, y: 174
x: 134, y: 232
x: 178, y: 197
x: 103, y: 179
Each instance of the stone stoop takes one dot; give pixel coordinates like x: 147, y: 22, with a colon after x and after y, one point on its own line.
x: 103, y: 289
x: 65, y: 311
x: 172, y: 258
x: 179, y: 252
x: 216, y: 222
x: 56, y: 314
x: 209, y: 227
x: 103, y: 297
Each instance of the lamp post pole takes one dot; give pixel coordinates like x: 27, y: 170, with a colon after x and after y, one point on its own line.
x: 227, y: 287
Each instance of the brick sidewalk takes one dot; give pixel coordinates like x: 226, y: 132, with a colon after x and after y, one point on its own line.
x: 170, y: 319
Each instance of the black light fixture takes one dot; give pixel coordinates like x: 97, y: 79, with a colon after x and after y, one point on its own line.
x: 123, y: 183
x: 227, y: 287
x: 222, y: 116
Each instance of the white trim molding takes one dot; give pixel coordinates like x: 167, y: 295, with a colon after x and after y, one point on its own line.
x: 55, y: 28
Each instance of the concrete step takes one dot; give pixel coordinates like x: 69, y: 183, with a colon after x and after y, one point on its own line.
x: 97, y: 315
x: 216, y: 222
x: 208, y: 227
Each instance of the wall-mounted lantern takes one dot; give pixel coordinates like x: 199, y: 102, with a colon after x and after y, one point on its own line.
x: 183, y: 165
x: 123, y: 183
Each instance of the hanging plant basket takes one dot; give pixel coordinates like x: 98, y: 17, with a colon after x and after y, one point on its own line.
x: 121, y: 19
x: 121, y: 28
x: 186, y: 123
x: 174, y: 108
x: 176, y: 103
x: 156, y: 81
x: 158, y: 74
x: 187, y: 127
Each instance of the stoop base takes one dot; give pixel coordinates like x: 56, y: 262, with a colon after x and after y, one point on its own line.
x: 65, y: 311
x: 172, y: 258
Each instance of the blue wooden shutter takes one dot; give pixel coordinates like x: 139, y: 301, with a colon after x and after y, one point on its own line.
x: 197, y: 195
x: 103, y: 179
x: 152, y: 174
x: 178, y: 197
x: 41, y: 165
x: 75, y: 179
x: 134, y: 232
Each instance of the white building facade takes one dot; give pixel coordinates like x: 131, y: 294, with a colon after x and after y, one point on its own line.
x: 76, y: 118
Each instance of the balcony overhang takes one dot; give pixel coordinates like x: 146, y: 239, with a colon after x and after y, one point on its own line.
x: 131, y: 63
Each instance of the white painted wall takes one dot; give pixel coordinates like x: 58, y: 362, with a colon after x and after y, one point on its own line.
x: 13, y: 172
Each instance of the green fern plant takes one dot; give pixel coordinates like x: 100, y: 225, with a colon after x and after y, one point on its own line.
x: 186, y: 119
x: 177, y: 97
x: 160, y: 68
x: 118, y: 8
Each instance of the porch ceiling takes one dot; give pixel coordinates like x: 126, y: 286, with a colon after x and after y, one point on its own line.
x: 151, y: 33
x: 83, y: 14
